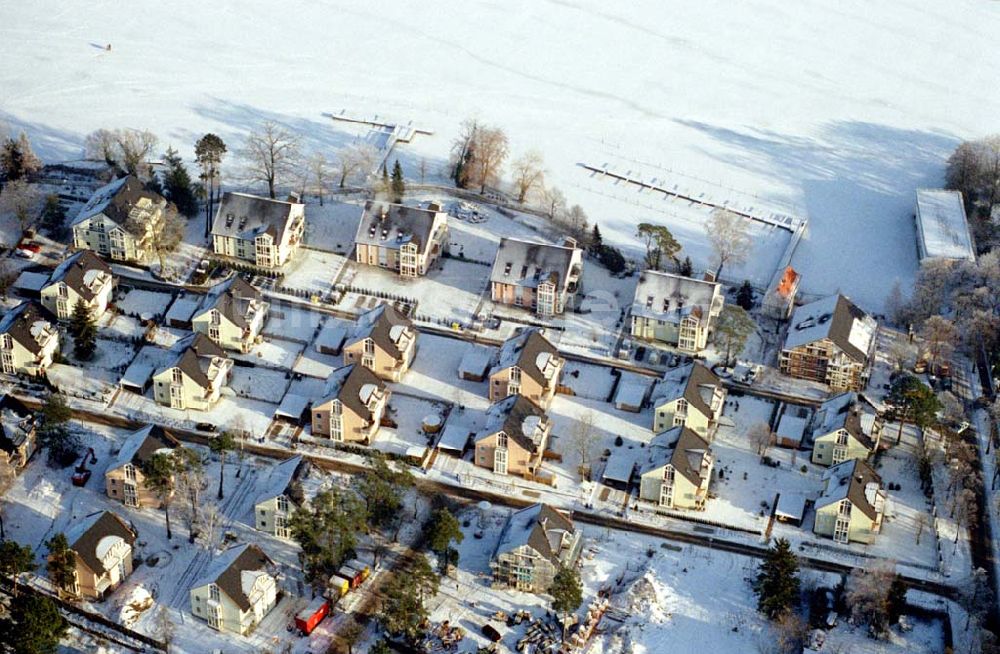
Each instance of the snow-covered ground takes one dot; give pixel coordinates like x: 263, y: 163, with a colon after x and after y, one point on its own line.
x: 834, y: 112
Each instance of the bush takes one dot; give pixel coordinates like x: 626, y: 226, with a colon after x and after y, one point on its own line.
x: 611, y: 258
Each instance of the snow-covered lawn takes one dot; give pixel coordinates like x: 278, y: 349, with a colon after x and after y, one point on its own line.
x: 333, y: 226
x: 313, y: 271
x: 144, y: 304
x: 286, y: 320
x: 272, y: 352
x: 115, y: 324
x: 434, y: 372
x: 259, y: 383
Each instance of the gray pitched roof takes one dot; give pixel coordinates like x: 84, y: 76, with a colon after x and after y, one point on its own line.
x: 682, y: 448
x: 538, y: 527
x: 285, y: 480
x: 850, y: 480
x: 835, y: 318
x: 194, y: 352
x: 526, y: 263
x: 232, y: 299
x: 16, y: 422
x: 514, y: 415
x: 670, y: 298
x: 382, y: 324
x: 246, y: 216
x: 26, y: 321
x: 687, y: 382
x: 227, y: 571
x: 78, y: 271
x: 116, y: 200
x: 142, y: 444
x: 844, y: 411
x: 84, y: 537
x: 392, y: 225
x: 526, y: 351
x: 348, y: 384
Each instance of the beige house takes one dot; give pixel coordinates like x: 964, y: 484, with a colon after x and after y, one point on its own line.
x: 384, y: 341
x: 103, y: 544
x: 514, y: 439
x: 281, y: 495
x: 352, y: 408
x: 537, y: 276
x: 83, y: 277
x: 675, y: 310
x: 535, y: 542
x: 527, y: 365
x: 844, y: 427
x: 237, y: 591
x: 124, y: 479
x: 851, y: 504
x: 232, y: 315
x: 29, y: 340
x: 691, y: 396
x: 678, y: 471
x: 263, y: 231
x: 830, y: 341
x: 17, y: 436
x: 195, y: 377
x: 407, y: 240
x: 119, y: 220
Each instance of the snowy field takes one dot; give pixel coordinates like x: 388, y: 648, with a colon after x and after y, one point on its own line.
x: 835, y: 112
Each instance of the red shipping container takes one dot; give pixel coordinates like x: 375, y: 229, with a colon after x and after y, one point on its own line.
x: 307, y: 619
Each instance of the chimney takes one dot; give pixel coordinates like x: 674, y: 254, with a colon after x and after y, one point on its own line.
x: 294, y: 197
x: 709, y: 276
x: 569, y: 242
x: 385, y: 213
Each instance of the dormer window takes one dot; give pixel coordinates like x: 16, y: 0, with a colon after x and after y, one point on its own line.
x: 63, y: 291
x: 649, y: 301
x: 178, y: 376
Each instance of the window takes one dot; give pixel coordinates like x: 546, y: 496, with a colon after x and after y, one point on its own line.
x: 129, y: 470
x: 283, y: 504
x: 177, y: 376
x: 213, y: 592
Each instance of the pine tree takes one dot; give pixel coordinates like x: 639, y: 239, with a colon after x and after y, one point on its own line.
x: 686, y: 268
x: 384, y: 184
x: 61, y: 565
x: 222, y: 445
x: 566, y: 592
x: 159, y: 474
x: 596, y: 240
x: 744, y: 296
x: 177, y: 184
x: 54, y: 216
x: 11, y: 161
x: 778, y: 583
x: 84, y: 331
x: 33, y: 626
x: 442, y: 530
x: 14, y: 560
x: 397, y: 186
x: 54, y: 434
x: 208, y: 152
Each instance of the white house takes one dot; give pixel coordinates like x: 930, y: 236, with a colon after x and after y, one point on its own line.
x: 29, y: 340
x: 83, y: 277
x: 237, y: 591
x: 260, y: 230
x: 119, y: 219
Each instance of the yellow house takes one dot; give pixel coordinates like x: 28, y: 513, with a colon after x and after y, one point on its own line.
x: 384, y: 341
x: 352, y: 408
x: 527, y: 365
x: 538, y: 276
x: 691, y: 396
x: 407, y: 240
x: 195, y: 377
x: 29, y: 340
x: 263, y: 231
x: 124, y: 480
x: 237, y: 591
x: 514, y: 439
x: 232, y: 315
x: 852, y: 503
x: 535, y: 542
x: 675, y: 309
x: 679, y: 470
x: 281, y: 495
x: 102, y: 543
x: 843, y: 428
x: 119, y: 220
x: 83, y: 277
x: 17, y: 436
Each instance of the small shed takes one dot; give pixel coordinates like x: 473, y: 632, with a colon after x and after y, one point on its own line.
x: 791, y: 508
x: 182, y: 310
x: 29, y: 284
x: 331, y: 338
x: 475, y: 363
x: 292, y: 409
x: 619, y: 467
x: 339, y: 586
x: 454, y: 439
x: 791, y: 430
x: 631, y: 395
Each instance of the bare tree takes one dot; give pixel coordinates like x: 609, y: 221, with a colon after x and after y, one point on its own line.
x: 355, y: 161
x: 554, y: 201
x: 921, y: 525
x: 211, y: 519
x: 319, y: 169
x: 165, y: 234
x: 867, y: 595
x: 164, y: 626
x: 952, y: 409
x: 127, y: 148
x: 8, y: 275
x: 976, y: 597
x: 100, y: 144
x: 790, y: 632
x: 585, y: 439
x: 895, y: 304
x: 967, y: 515
x: 21, y: 200
x: 270, y: 154
x: 730, y: 238
x: 940, y: 335
x: 529, y: 175
x: 488, y: 156
x: 900, y: 355
x: 761, y: 437
x: 462, y: 152
x: 422, y: 169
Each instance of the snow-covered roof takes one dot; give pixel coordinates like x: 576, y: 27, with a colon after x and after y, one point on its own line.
x: 455, y: 436
x: 84, y: 272
x: 331, y: 336
x: 393, y: 225
x: 631, y: 393
x: 292, y: 407
x: 117, y: 200
x: 856, y: 481
x: 791, y: 506
x: 532, y: 353
x: 836, y: 318
x: 226, y: 571
x: 244, y: 217
x: 683, y: 449
x: 31, y: 281
x: 942, y: 227
x: 527, y: 264
x: 30, y: 325
x: 182, y: 309
x: 142, y: 444
x: 87, y: 537
x: 791, y: 428
x: 280, y: 479
x: 621, y: 463
x: 149, y: 359
x: 353, y: 385
x: 540, y: 527
x: 670, y: 298
x: 386, y: 327
x: 694, y: 382
x: 475, y: 361
x: 845, y: 412
x: 521, y: 419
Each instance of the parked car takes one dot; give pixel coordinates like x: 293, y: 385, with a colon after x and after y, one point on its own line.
x: 205, y: 426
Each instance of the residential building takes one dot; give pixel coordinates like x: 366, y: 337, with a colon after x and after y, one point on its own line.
x: 678, y: 471
x: 29, y: 340
x: 830, y: 341
x: 17, y: 435
x: 942, y: 226
x: 675, y: 310
x: 844, y: 428
x: 529, y: 365
x: 119, y: 221
x: 535, y: 542
x: 232, y: 315
x: 103, y: 545
x: 195, y: 377
x: 514, y: 439
x: 83, y: 277
x: 384, y: 341
x: 691, y: 396
x: 407, y: 240
x: 851, y: 504
x: 265, y: 232
x: 779, y: 301
x: 124, y: 479
x: 537, y: 276
x: 237, y: 591
x: 352, y: 408
x: 282, y: 493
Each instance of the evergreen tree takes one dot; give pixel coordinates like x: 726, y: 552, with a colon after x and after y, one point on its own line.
x: 208, y: 152
x: 912, y: 401
x: 380, y: 647
x: 397, y: 185
x: 686, y: 268
x: 54, y: 434
x: 54, y: 216
x: 566, y: 592
x: 403, y: 609
x: 325, y: 530
x: 61, y: 565
x: 732, y: 329
x: 14, y: 560
x: 17, y: 160
x: 612, y: 259
x: 159, y: 472
x: 33, y: 626
x: 382, y: 489
x: 778, y: 583
x: 222, y: 445
x: 177, y: 184
x: 385, y: 184
x: 596, y: 240
x: 744, y: 296
x: 442, y: 530
x: 84, y: 331
x: 896, y: 601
